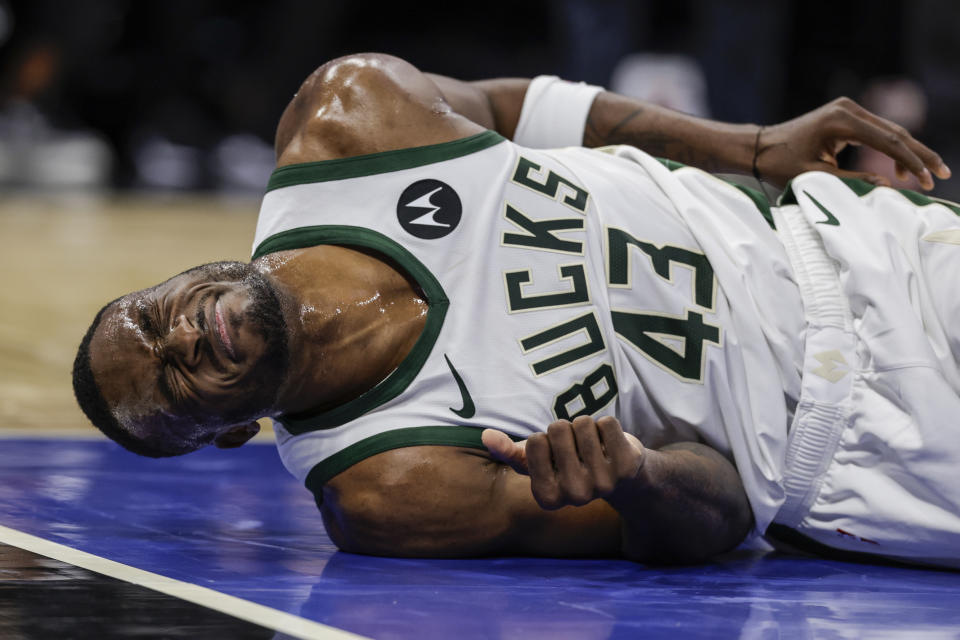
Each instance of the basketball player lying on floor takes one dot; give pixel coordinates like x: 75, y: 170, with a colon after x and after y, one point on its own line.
x: 463, y: 340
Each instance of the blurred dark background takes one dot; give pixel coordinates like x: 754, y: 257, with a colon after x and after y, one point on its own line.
x: 184, y: 95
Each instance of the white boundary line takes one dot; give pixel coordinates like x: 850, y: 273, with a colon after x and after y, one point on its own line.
x: 245, y: 610
x: 66, y: 433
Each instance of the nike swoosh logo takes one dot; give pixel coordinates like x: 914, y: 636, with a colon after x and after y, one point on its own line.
x: 831, y: 219
x: 468, y: 409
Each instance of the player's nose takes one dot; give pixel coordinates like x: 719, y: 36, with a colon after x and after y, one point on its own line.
x: 183, y: 342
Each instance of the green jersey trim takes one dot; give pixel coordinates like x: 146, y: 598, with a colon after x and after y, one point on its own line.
x: 673, y: 165
x: 862, y: 188
x: 403, y: 375
x: 383, y: 162
x: 760, y: 201
x: 449, y: 435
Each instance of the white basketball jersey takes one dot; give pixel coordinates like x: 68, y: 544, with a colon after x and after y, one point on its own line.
x: 559, y: 283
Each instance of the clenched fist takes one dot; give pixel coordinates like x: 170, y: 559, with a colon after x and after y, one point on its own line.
x: 573, y: 462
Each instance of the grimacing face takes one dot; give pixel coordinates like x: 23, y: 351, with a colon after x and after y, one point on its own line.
x: 179, y: 362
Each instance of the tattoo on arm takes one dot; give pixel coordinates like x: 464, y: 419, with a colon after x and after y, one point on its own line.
x: 593, y: 137
x: 655, y: 143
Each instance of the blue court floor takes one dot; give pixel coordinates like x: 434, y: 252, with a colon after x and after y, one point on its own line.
x: 236, y: 523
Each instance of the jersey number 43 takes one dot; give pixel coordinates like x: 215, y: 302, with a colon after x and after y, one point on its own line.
x: 657, y: 335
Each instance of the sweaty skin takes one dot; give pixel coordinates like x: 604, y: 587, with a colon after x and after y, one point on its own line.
x: 186, y: 358
x: 349, y: 318
x: 174, y: 351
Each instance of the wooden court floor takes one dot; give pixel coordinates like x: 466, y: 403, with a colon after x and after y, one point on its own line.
x: 63, y: 256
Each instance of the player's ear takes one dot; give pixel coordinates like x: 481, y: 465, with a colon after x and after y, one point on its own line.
x: 236, y: 436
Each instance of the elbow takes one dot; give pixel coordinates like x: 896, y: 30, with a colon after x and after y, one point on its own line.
x: 364, y: 522
x: 399, y: 522
x: 700, y: 548
x: 690, y: 537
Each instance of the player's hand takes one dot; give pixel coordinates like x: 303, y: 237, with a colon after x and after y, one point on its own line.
x: 572, y: 463
x: 812, y: 141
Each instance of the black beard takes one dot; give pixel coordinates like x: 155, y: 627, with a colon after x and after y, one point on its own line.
x: 264, y: 314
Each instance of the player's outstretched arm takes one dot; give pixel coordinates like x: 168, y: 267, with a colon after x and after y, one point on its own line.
x: 681, y: 504
x: 368, y: 103
x: 777, y: 152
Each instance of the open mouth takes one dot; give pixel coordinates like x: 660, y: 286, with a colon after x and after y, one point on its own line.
x: 221, y: 330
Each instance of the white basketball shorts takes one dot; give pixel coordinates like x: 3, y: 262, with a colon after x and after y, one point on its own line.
x: 873, y: 462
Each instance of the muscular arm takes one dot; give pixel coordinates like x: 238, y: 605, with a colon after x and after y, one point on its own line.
x: 681, y: 504
x: 614, y: 119
x: 438, y: 501
x: 363, y: 104
x: 368, y: 103
x: 686, y: 504
x: 707, y: 144
x: 806, y: 143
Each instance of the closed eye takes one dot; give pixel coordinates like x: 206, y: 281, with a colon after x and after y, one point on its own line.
x: 157, y: 317
x: 172, y: 387
x: 147, y: 323
x: 151, y: 320
x: 201, y: 320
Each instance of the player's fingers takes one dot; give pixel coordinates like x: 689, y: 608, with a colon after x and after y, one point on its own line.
x: 901, y: 172
x: 892, y: 140
x: 543, y: 477
x: 589, y: 447
x: 597, y: 466
x: 941, y: 170
x: 611, y: 433
x: 576, y: 486
x: 623, y: 453
x: 872, y: 178
x: 505, y: 450
x: 930, y: 158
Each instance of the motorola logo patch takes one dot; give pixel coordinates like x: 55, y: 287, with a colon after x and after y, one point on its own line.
x: 429, y: 209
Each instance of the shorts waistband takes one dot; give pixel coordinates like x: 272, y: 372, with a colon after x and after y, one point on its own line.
x: 829, y: 365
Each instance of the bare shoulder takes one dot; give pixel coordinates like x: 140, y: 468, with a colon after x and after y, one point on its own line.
x: 365, y: 103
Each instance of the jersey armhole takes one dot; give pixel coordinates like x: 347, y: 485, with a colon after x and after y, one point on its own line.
x: 446, y: 435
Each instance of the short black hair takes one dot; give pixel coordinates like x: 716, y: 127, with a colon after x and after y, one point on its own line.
x: 93, y: 404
